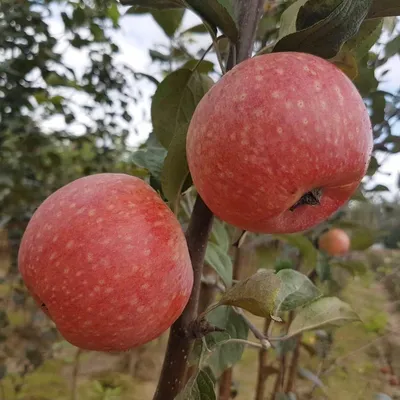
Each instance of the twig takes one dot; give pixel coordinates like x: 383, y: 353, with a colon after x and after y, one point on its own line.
x: 225, y: 385
x: 225, y: 382
x: 179, y: 346
x: 293, y: 367
x: 256, y: 332
x: 75, y: 372
x: 262, y: 364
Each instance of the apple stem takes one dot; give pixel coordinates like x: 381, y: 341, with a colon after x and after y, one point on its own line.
x: 311, y: 198
x: 180, y: 345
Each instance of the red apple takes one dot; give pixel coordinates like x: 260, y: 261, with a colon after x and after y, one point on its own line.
x: 385, y: 369
x: 273, y: 129
x: 393, y: 381
x: 107, y: 261
x: 334, y: 242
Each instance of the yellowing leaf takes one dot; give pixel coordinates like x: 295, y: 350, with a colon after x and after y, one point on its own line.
x: 256, y: 294
x: 347, y: 63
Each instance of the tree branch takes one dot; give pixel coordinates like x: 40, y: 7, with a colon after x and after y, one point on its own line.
x: 262, y: 364
x: 293, y: 367
x: 249, y: 13
x: 179, y: 344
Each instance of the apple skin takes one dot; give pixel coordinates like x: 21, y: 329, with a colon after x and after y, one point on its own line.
x: 272, y: 129
x: 107, y: 261
x: 334, y: 242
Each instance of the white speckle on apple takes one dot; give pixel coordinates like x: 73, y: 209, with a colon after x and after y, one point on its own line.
x: 300, y: 103
x: 70, y: 244
x: 276, y: 94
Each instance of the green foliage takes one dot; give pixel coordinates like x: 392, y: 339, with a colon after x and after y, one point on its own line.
x: 308, y: 251
x: 322, y: 27
x: 223, y: 355
x: 376, y: 323
x: 295, y: 291
x: 217, y: 258
x: 218, y: 13
x: 324, y: 311
x: 199, y: 387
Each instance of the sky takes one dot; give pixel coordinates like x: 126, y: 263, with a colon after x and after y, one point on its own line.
x: 140, y: 33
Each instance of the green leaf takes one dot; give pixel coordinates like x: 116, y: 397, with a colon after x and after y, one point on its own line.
x: 361, y: 239
x: 200, y: 28
x: 151, y: 159
x: 289, y: 18
x: 219, y: 13
x: 175, y: 101
x: 379, y: 188
x: 373, y: 166
x: 219, y: 260
x: 367, y: 36
x: 305, y: 246
x: 224, y: 355
x: 384, y: 8
x: 172, y: 108
x: 355, y: 267
x: 113, y: 14
x: 152, y: 5
x: 199, y: 387
x: 323, y: 268
x: 256, y: 294
x: 169, y: 20
x: 325, y: 37
x: 175, y: 169
x: 296, y: 290
x: 393, y: 47
x: 203, y: 67
x: 325, y: 311
x: 156, y: 55
x: 219, y: 235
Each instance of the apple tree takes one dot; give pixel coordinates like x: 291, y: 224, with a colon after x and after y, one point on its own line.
x: 260, y: 140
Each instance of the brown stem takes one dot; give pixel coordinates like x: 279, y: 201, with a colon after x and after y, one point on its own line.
x: 262, y: 367
x: 225, y: 385
x: 293, y: 367
x: 179, y: 345
x: 207, y: 297
x: 280, y: 377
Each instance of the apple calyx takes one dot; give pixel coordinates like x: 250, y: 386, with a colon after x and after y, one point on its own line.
x: 311, y: 198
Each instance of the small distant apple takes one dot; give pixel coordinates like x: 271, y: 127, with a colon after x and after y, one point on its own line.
x: 335, y: 242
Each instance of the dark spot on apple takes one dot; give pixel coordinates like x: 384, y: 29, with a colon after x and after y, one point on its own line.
x: 311, y: 198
